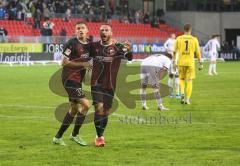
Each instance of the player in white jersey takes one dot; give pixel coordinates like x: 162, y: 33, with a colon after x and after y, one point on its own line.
x: 153, y: 69
x: 212, y: 47
x: 173, y: 74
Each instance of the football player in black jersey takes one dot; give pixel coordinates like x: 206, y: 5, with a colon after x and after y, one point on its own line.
x: 75, y: 61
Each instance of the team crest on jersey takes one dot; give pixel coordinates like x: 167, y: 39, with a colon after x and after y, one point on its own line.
x: 110, y: 50
x: 67, y: 52
x: 85, y: 55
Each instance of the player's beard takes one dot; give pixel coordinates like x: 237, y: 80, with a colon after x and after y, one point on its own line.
x: 106, y: 39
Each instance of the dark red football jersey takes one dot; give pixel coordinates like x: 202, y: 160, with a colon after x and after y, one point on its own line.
x: 106, y: 63
x: 79, y: 52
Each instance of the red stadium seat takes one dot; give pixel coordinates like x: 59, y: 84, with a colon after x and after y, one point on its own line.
x: 16, y: 28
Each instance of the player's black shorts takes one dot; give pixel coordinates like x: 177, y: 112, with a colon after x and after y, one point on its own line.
x: 74, y: 90
x: 102, y: 95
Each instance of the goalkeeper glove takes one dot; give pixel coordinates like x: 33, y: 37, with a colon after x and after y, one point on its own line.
x: 200, y: 66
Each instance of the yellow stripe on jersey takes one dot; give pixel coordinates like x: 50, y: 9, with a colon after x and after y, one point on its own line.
x: 186, y: 46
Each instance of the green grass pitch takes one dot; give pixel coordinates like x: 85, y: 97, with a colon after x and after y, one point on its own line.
x: 204, y: 133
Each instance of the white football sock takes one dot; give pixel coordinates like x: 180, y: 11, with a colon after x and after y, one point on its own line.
x: 214, y: 68
x: 210, y: 68
x: 143, y: 94
x: 157, y: 96
x: 170, y: 85
x: 177, y: 82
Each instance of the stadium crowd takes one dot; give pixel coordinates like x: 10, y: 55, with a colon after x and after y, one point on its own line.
x: 91, y: 10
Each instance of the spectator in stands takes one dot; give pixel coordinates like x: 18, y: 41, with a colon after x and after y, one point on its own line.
x: 51, y: 9
x: 67, y: 14
x: 63, y: 34
x: 3, y: 11
x: 21, y: 10
x: 124, y: 5
x: 117, y: 10
x: 160, y: 14
x: 125, y: 20
x: 23, y: 5
x: 93, y: 10
x: 111, y: 6
x: 141, y: 16
x: 102, y: 7
x: 12, y: 12
x: 225, y: 46
x: 21, y: 14
x: 39, y: 5
x: 91, y: 13
x: 37, y: 19
x: 47, y: 29
x: 146, y: 18
x: 233, y: 45
x: 109, y: 17
x: 137, y: 17
x: 130, y: 18
x: 3, y: 34
x: 46, y: 11
x: 93, y: 3
x: 101, y: 4
x: 62, y: 7
x: 154, y: 22
x: 31, y: 7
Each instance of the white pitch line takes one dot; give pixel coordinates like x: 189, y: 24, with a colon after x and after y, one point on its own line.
x: 47, y: 107
x: 53, y: 107
x: 141, y: 121
x: 23, y: 117
x: 114, y: 114
x: 228, y: 72
x: 27, y: 106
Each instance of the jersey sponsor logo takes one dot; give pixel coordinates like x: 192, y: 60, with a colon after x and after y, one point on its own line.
x: 110, y: 50
x: 80, y: 49
x: 86, y: 55
x: 79, y: 92
x: 67, y: 52
x: 99, y: 58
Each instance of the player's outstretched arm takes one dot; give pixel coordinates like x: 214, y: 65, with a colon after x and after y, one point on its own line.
x: 198, y: 54
x: 175, y: 50
x: 125, y: 50
x: 162, y: 73
x: 68, y: 63
x: 165, y: 45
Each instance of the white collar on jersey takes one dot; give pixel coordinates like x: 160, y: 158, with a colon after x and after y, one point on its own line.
x: 82, y: 42
x: 105, y: 44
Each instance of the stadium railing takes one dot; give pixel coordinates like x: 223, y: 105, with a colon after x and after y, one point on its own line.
x: 63, y: 39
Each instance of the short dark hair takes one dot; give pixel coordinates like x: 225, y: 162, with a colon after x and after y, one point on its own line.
x: 213, y: 36
x: 107, y: 25
x: 168, y: 55
x: 81, y: 22
x: 187, y: 27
